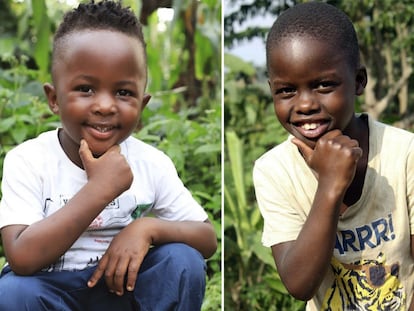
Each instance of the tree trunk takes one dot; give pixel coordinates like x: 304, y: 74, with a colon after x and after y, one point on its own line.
x: 405, y: 69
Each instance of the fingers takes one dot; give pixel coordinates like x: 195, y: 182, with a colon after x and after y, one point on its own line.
x: 333, y: 149
x: 115, y: 272
x: 85, y: 153
x: 132, y: 275
x: 357, y: 153
x: 99, y: 271
x: 115, y: 276
x: 304, y: 149
x: 349, y: 146
x: 115, y: 148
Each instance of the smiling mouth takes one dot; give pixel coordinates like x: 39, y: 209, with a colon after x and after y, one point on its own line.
x: 103, y: 129
x: 312, y: 129
x: 310, y: 126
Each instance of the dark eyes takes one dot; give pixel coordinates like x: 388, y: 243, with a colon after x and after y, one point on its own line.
x: 88, y: 90
x: 84, y: 89
x: 326, y: 85
x: 321, y: 86
x: 124, y: 93
x: 285, y: 90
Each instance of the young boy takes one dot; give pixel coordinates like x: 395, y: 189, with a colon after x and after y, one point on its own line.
x: 337, y: 197
x: 72, y: 215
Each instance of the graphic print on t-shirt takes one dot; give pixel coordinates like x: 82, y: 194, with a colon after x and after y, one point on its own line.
x: 366, y: 236
x: 116, y: 215
x: 140, y: 210
x: 365, y: 285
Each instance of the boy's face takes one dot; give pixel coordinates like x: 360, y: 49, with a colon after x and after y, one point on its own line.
x: 98, y: 91
x: 313, y: 87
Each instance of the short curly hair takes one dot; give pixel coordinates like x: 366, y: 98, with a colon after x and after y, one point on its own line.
x: 316, y: 20
x: 104, y: 15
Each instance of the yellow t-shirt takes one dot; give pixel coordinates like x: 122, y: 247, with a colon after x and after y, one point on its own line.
x: 371, y: 266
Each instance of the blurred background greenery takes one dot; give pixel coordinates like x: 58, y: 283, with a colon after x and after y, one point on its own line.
x: 183, y: 117
x: 385, y: 30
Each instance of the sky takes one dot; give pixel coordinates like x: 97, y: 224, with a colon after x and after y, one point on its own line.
x: 254, y: 50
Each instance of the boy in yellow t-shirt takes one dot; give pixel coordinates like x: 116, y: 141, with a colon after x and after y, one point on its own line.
x: 337, y: 197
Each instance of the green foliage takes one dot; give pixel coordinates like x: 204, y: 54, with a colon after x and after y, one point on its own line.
x: 212, y: 299
x: 41, y: 24
x: 23, y: 111
x: 251, y: 280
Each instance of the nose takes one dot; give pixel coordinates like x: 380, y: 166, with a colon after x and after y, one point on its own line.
x: 306, y: 103
x: 104, y: 104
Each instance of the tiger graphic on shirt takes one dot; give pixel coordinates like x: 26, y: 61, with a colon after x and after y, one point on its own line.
x: 365, y: 285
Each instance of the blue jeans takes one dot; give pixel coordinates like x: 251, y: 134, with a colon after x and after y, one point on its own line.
x: 171, y: 277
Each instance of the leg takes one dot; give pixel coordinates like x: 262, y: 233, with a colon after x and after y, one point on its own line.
x: 63, y: 291
x: 100, y: 299
x: 172, y: 277
x: 42, y: 291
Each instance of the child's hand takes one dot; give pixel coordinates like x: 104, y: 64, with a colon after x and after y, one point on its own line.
x: 110, y: 171
x: 123, y: 259
x: 334, y: 159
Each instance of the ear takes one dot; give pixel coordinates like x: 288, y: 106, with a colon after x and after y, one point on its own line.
x: 145, y: 100
x: 50, y: 93
x: 361, y: 80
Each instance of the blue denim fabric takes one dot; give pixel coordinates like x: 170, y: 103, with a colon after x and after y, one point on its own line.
x: 171, y: 277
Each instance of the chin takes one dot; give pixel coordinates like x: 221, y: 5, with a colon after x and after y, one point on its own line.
x: 309, y: 142
x: 98, y: 151
x: 97, y: 154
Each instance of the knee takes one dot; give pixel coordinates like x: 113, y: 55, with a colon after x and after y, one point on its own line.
x: 185, y: 258
x: 190, y: 270
x: 19, y: 293
x: 172, y: 277
x: 183, y: 261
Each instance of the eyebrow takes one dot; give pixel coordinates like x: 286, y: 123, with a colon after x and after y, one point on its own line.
x: 85, y: 77
x: 125, y: 82
x: 280, y: 82
x: 93, y: 79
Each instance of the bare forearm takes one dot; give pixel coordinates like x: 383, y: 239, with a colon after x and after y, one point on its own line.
x: 42, y: 243
x: 305, y: 261
x: 199, y: 235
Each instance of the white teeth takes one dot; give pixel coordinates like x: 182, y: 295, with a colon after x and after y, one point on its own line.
x: 103, y: 129
x: 310, y: 126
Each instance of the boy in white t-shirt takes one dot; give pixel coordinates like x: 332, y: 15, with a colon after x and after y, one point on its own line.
x: 337, y: 197
x: 72, y: 215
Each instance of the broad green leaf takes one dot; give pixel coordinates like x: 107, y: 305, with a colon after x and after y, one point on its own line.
x: 43, y: 32
x: 209, y: 148
x: 6, y: 124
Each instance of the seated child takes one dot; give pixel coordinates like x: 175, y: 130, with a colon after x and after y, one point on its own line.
x: 74, y: 212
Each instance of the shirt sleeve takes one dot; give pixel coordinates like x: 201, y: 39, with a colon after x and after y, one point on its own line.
x: 410, y: 187
x: 173, y: 200
x: 276, y: 201
x: 21, y: 201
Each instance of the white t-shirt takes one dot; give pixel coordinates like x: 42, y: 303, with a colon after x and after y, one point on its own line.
x: 38, y: 179
x: 371, y: 263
